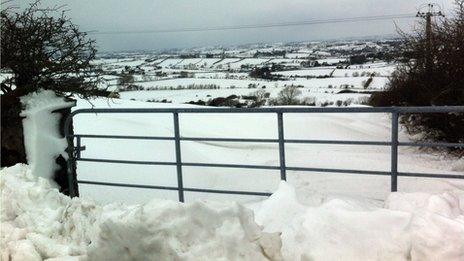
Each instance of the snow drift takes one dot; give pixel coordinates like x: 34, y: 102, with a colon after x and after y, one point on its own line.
x: 38, y: 222
x: 409, y: 226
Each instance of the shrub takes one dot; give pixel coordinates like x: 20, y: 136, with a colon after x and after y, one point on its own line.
x: 289, y: 96
x: 125, y: 79
x: 264, y: 73
x: 326, y: 103
x: 309, y: 101
x: 436, y: 79
x: 261, y: 97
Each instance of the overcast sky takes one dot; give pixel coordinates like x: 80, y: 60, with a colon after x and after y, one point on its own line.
x: 130, y: 15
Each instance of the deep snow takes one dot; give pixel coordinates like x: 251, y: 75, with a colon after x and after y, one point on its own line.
x: 408, y: 226
x: 37, y: 222
x: 318, y: 216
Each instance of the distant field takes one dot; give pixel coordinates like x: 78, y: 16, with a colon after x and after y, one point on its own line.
x: 320, y: 72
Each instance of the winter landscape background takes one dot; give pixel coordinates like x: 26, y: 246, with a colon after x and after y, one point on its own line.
x: 310, y: 216
x: 323, y: 73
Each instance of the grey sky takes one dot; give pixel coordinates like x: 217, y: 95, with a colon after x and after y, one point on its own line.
x: 117, y: 15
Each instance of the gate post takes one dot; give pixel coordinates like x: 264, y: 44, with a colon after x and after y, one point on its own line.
x: 394, y: 152
x: 71, y: 168
x: 66, y: 126
x: 280, y: 124
x: 180, y: 184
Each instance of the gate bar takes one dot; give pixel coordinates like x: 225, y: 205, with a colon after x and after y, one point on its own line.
x: 394, y: 143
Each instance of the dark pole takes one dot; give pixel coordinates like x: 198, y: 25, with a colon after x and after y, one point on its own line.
x: 428, y: 35
x: 394, y: 152
x: 428, y: 44
x: 66, y: 176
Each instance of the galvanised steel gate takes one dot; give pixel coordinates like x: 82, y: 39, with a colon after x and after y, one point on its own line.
x: 279, y: 112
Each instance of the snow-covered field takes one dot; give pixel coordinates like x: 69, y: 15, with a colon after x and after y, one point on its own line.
x: 184, y: 96
x: 161, y: 79
x: 178, y: 90
x: 371, y: 127
x: 357, y: 82
x: 320, y: 72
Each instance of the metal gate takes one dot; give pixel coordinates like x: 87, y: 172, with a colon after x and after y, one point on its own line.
x: 280, y: 140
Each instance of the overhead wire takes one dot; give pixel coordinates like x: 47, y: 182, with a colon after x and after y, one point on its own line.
x: 253, y: 26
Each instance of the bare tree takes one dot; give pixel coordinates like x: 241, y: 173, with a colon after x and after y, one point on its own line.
x: 261, y: 97
x: 43, y: 49
x: 125, y: 80
x: 289, y: 96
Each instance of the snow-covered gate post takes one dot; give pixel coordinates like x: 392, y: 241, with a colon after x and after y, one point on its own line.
x: 44, y: 116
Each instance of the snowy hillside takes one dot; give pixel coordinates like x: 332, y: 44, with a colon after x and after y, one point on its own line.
x: 326, y: 73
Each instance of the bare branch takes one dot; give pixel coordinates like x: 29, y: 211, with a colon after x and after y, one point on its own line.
x: 44, y: 49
